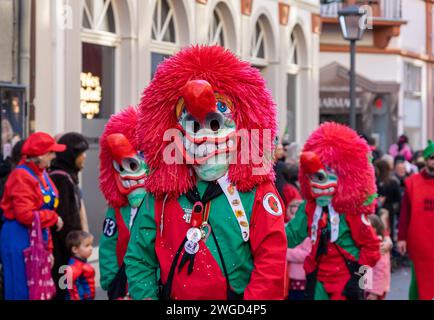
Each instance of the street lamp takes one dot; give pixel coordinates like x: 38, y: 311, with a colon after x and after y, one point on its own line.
x: 350, y: 19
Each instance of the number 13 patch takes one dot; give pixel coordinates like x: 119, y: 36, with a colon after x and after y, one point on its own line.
x: 272, y: 204
x: 109, y: 228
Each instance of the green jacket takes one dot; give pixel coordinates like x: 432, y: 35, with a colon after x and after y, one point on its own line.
x: 108, y: 260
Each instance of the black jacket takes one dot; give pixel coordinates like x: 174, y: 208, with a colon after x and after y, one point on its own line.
x: 64, y: 174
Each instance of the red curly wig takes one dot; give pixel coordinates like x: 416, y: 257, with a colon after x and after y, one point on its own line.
x: 341, y: 149
x: 124, y: 122
x: 241, y: 83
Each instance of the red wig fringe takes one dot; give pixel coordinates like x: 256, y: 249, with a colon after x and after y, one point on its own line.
x: 341, y: 149
x: 124, y: 122
x: 243, y: 84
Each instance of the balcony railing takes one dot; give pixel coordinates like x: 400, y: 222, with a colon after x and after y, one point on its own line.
x: 330, y: 10
x: 383, y: 9
x: 391, y: 9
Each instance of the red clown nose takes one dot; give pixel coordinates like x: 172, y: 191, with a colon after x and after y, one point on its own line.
x: 120, y: 147
x: 310, y: 162
x: 199, y: 98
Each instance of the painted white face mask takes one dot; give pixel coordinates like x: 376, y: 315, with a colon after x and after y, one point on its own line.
x: 208, y: 130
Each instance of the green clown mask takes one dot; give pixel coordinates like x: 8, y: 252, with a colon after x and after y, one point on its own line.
x: 323, y: 180
x: 208, y: 130
x: 131, y: 169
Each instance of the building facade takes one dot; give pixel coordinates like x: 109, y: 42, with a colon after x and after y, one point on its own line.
x: 94, y: 57
x: 14, y: 73
x: 394, y: 66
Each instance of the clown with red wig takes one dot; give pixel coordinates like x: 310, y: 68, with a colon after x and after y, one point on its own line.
x: 216, y: 228
x: 122, y: 176
x: 338, y: 184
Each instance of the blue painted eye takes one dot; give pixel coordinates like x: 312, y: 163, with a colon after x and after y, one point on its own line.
x: 222, y: 107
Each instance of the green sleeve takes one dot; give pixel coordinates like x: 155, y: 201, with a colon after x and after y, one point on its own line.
x: 296, y: 230
x: 108, y: 262
x: 141, y: 262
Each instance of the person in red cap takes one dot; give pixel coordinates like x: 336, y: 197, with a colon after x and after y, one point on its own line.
x: 28, y: 191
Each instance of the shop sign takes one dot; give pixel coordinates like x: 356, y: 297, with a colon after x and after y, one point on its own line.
x: 336, y: 101
x: 90, y: 95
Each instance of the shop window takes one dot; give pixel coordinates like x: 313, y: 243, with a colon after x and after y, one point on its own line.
x: 98, y: 16
x: 292, y: 87
x: 412, y: 79
x: 413, y: 103
x: 13, y: 117
x: 258, y: 41
x: 156, y: 59
x: 163, y: 27
x: 164, y: 37
x: 293, y: 50
x: 216, y: 30
x: 97, y: 81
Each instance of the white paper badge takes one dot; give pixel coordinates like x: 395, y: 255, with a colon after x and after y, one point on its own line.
x: 191, y: 247
x: 194, y: 234
x: 272, y: 204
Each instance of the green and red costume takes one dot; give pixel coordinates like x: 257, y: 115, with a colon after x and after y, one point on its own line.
x: 122, y: 175
x: 215, y: 226
x: 255, y: 269
x: 356, y: 242
x: 114, y: 242
x: 338, y: 184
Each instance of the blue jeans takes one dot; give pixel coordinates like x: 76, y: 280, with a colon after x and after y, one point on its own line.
x: 14, y: 238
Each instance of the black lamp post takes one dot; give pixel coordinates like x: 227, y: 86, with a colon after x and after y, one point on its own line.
x: 350, y: 19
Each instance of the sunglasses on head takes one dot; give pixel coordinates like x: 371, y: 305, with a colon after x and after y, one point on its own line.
x: 431, y: 157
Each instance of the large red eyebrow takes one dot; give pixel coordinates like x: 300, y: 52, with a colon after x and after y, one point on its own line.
x: 199, y: 98
x: 120, y: 147
x: 310, y: 162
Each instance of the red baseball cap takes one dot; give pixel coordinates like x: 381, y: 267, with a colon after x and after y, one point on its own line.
x: 40, y: 143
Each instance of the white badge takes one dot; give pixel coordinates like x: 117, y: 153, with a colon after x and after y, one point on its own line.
x: 191, y: 247
x: 194, y: 234
x: 272, y: 204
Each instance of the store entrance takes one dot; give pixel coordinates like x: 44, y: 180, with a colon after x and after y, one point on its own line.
x: 97, y: 105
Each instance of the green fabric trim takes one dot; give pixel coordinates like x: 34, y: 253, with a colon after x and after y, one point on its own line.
x: 370, y: 199
x: 140, y: 260
x: 126, y: 215
x: 320, y: 293
x: 429, y: 150
x: 412, y: 292
x: 297, y: 229
x: 108, y: 263
x: 236, y: 253
x: 345, y: 240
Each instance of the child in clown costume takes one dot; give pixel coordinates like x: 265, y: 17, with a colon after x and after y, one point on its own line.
x: 122, y: 175
x: 216, y: 228
x: 338, y: 184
